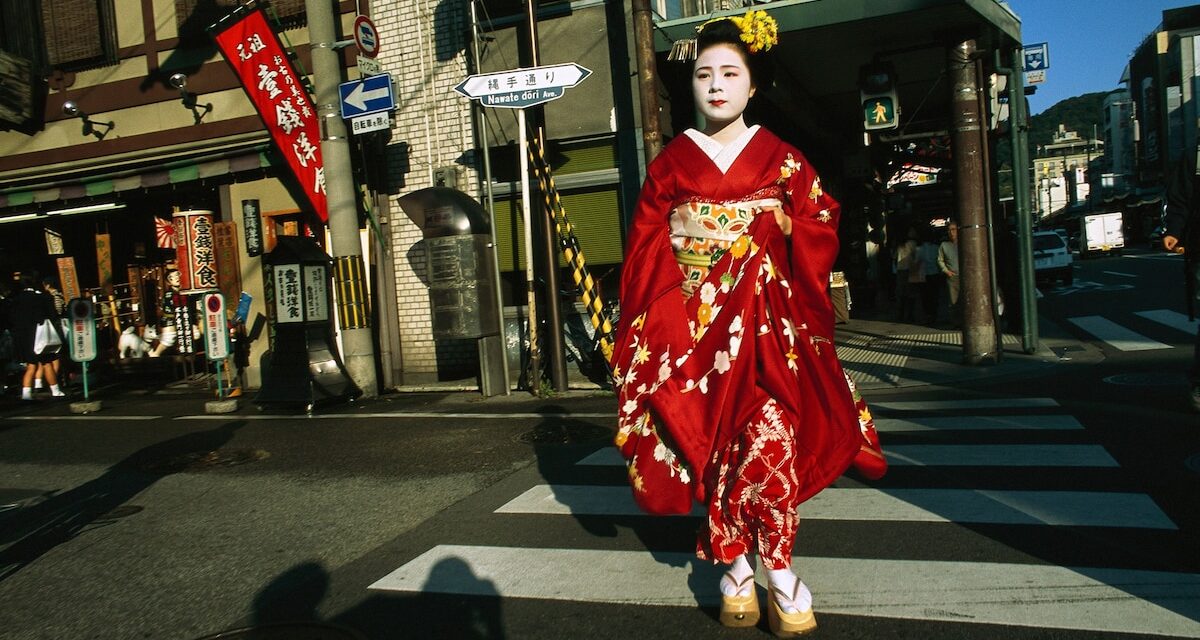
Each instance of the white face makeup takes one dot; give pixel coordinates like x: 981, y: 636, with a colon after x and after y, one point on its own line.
x: 721, y: 85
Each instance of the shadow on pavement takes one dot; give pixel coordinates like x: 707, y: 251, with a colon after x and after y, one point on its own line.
x: 29, y: 533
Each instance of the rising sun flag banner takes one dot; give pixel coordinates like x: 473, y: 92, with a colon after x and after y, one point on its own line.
x: 253, y: 50
x: 164, y: 233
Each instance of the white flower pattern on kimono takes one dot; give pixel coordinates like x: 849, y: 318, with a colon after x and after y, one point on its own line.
x: 708, y: 293
x: 721, y: 361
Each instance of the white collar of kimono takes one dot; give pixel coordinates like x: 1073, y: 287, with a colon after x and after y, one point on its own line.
x: 722, y: 156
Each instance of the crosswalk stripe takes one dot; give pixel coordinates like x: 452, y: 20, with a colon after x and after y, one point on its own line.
x: 1103, y: 600
x: 977, y: 403
x: 404, y: 415
x: 998, y: 455
x: 1115, y: 335
x: 941, y: 455
x: 973, y: 423
x: 1172, y: 319
x: 1059, y: 508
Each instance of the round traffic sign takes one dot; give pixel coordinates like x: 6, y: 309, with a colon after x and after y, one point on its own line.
x: 366, y: 36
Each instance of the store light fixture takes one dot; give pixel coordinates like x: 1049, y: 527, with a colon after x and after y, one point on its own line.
x: 90, y: 208
x: 71, y: 108
x: 179, y: 81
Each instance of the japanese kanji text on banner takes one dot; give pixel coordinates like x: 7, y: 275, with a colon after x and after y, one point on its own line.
x: 253, y: 50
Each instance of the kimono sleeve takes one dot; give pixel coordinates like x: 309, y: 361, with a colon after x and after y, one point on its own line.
x: 814, y: 241
x: 649, y: 270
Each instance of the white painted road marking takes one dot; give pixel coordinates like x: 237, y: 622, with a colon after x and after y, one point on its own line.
x: 401, y: 415
x: 1118, y: 273
x: 955, y: 455
x: 978, y: 403
x: 1172, y: 319
x: 1037, y: 596
x: 1060, y: 508
x: 1115, y: 335
x: 973, y: 423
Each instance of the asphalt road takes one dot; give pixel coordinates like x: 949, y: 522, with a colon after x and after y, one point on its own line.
x: 1054, y: 506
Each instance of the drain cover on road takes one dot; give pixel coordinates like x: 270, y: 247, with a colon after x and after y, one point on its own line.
x: 288, y: 631
x: 562, y: 432
x: 200, y: 461
x: 1148, y: 379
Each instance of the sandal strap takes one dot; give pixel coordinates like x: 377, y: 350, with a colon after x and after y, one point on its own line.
x: 738, y: 584
x: 795, y: 592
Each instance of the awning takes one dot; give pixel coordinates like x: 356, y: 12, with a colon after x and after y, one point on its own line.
x: 201, y: 167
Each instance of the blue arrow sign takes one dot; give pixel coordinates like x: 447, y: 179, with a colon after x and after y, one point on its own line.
x: 1036, y: 57
x: 371, y: 94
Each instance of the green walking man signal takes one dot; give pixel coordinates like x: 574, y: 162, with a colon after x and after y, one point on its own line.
x: 877, y: 90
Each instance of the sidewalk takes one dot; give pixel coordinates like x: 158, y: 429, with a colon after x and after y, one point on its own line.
x: 880, y: 354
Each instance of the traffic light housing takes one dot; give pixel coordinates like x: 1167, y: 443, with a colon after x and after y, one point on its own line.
x: 877, y: 90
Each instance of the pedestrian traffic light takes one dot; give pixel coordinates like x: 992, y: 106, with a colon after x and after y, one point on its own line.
x: 877, y: 88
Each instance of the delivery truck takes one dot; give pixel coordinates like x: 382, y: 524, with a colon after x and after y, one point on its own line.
x: 1101, y: 234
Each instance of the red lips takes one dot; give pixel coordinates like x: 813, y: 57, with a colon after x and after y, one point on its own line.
x: 717, y: 103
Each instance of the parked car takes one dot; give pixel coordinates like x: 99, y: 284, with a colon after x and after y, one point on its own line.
x: 1051, y: 259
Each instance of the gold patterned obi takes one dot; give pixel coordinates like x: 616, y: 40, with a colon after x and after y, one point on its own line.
x: 702, y: 231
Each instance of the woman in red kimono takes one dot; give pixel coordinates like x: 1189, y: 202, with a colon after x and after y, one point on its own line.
x: 730, y: 390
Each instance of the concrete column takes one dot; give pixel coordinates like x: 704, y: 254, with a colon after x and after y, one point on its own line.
x: 979, y: 326
x: 357, y: 342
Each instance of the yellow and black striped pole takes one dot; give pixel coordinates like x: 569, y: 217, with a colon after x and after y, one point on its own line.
x: 569, y: 244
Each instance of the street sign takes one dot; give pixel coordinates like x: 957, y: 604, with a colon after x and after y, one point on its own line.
x: 367, y: 95
x: 83, y: 330
x: 521, y: 88
x: 1035, y: 77
x: 216, y: 328
x: 368, y: 67
x: 372, y: 122
x: 1035, y: 57
x: 366, y: 36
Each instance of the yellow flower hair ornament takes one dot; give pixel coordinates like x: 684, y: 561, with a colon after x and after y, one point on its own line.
x: 758, y: 30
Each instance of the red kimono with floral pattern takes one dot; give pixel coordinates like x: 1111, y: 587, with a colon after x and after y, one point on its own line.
x: 734, y: 396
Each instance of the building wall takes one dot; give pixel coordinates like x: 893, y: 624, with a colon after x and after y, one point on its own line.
x: 432, y: 129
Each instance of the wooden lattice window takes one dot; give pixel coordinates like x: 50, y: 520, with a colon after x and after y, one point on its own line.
x: 194, y: 16
x: 79, y: 33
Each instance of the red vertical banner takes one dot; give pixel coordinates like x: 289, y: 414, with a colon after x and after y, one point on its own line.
x: 194, y: 254
x: 104, y: 262
x: 253, y: 50
x: 225, y: 249
x: 67, y: 280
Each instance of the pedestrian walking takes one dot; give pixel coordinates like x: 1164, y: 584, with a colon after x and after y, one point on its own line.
x: 947, y: 261
x: 31, y: 307
x: 729, y: 387
x: 1181, y: 231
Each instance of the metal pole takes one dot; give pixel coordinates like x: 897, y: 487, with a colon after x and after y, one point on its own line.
x: 481, y: 118
x: 1018, y: 134
x: 643, y: 35
x: 358, y: 344
x: 979, y: 330
x: 554, y: 337
x: 986, y: 162
x: 535, y: 358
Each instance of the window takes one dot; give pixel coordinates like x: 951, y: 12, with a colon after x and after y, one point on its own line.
x: 79, y: 34
x: 20, y: 31
x: 193, y: 17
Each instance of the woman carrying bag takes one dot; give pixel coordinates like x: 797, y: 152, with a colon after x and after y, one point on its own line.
x: 37, y: 334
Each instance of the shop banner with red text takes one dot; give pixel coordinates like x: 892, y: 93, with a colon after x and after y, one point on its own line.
x: 253, y: 50
x: 196, y: 261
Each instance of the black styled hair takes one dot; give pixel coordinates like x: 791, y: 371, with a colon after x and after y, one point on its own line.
x: 727, y: 33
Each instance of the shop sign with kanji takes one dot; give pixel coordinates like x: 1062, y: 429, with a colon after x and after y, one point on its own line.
x: 253, y: 50
x: 287, y: 294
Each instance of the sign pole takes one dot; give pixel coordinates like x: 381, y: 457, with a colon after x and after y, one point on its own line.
x: 85, y: 382
x: 535, y: 358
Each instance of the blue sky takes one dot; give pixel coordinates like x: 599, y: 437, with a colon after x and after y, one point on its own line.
x: 1090, y: 41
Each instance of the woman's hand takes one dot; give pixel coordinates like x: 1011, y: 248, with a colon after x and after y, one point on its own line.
x: 781, y: 219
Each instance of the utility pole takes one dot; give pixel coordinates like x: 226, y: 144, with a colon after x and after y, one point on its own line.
x: 643, y: 35
x: 358, y: 345
x: 980, y: 345
x: 554, y: 350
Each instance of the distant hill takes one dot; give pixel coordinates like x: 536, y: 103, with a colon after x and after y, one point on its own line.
x: 1077, y: 114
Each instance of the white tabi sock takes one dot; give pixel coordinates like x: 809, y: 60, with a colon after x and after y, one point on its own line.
x: 784, y: 581
x: 740, y: 569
